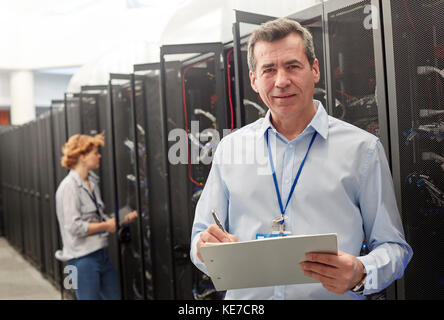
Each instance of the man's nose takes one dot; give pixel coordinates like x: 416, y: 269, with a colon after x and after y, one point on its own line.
x: 282, y: 79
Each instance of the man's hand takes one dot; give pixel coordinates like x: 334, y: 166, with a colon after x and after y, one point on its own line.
x: 214, y: 234
x: 337, y: 273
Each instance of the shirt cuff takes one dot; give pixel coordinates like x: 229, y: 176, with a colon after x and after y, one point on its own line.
x: 370, y: 285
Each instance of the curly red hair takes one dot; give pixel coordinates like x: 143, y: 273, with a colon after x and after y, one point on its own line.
x: 77, y: 145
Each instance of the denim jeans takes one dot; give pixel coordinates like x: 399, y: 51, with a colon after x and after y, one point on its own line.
x: 97, y: 277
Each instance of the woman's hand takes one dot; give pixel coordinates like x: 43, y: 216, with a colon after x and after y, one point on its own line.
x: 131, y: 216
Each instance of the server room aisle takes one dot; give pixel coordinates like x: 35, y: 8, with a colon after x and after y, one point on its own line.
x: 19, y: 280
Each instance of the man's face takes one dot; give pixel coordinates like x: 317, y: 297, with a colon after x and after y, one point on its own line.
x: 283, y: 78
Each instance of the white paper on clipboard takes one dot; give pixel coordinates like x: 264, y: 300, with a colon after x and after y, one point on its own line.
x: 263, y: 262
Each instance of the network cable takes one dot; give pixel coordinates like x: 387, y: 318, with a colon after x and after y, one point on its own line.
x: 434, y: 157
x: 425, y: 113
x: 207, y: 114
x: 424, y: 181
x: 423, y: 70
x: 260, y: 110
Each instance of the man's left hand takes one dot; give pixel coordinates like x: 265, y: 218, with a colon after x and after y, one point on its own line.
x: 337, y: 273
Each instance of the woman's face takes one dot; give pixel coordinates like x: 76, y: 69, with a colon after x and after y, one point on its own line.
x: 92, y: 159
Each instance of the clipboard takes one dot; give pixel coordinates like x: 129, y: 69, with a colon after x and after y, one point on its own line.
x: 263, y: 262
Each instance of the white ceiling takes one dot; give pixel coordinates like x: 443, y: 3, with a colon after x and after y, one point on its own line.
x: 39, y: 34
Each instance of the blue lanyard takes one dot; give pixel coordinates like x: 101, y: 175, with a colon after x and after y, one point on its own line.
x: 295, y: 179
x: 94, y: 199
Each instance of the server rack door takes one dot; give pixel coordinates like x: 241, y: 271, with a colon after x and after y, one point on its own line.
x: 107, y: 171
x: 159, y: 197
x: 126, y: 151
x: 22, y: 227
x: 35, y: 195
x: 313, y: 19
x: 58, y: 134
x: 43, y: 153
x: 144, y: 187
x: 249, y: 105
x: 195, y: 105
x: 415, y: 60
x: 24, y: 181
x: 356, y: 73
x: 73, y: 114
x: 95, y: 115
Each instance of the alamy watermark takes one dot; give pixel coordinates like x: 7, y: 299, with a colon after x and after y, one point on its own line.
x: 371, y: 21
x: 71, y: 280
x: 196, y: 147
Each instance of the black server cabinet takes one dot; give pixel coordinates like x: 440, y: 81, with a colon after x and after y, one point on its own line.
x: 312, y: 18
x: 96, y: 118
x: 415, y: 63
x: 58, y: 133
x: 249, y: 105
x: 159, y: 223
x: 73, y: 114
x: 21, y: 227
x: 33, y: 213
x: 355, y: 66
x: 46, y: 192
x: 194, y: 102
x: 25, y: 177
x: 130, y: 186
x: 355, y: 70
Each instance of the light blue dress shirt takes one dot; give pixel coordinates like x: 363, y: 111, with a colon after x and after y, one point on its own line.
x: 345, y: 187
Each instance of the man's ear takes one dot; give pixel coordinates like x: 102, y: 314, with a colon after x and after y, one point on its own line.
x: 316, y: 72
x: 253, y: 82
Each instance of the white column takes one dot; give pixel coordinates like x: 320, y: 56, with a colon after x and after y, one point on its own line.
x: 22, y: 96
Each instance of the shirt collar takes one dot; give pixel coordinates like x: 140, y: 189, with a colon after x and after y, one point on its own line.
x: 73, y: 173
x: 319, y: 122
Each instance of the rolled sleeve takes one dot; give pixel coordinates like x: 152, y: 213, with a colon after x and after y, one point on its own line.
x: 72, y: 214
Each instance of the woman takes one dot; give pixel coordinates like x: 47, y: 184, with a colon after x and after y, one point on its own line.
x: 83, y: 224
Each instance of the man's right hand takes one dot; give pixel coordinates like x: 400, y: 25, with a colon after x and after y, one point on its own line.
x: 214, y: 234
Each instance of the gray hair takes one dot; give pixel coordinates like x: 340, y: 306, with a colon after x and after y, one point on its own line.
x: 276, y: 30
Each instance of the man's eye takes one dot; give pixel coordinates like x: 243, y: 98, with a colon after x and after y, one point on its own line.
x: 269, y: 70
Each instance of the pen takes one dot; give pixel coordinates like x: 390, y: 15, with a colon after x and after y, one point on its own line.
x: 216, y: 219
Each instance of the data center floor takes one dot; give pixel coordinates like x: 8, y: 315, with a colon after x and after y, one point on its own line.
x: 19, y: 280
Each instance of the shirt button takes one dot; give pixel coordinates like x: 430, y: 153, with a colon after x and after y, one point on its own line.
x: 290, y: 146
x: 287, y: 181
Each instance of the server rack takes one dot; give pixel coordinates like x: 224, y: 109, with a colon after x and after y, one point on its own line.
x: 249, y: 106
x: 194, y: 102
x: 25, y: 175
x: 159, y: 225
x: 355, y: 65
x: 73, y: 114
x: 31, y: 196
x: 356, y: 73
x: 46, y: 191
x: 312, y: 18
x: 130, y: 186
x: 58, y: 131
x: 415, y: 57
x: 96, y: 118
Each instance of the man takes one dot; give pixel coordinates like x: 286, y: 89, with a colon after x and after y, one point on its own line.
x: 323, y: 176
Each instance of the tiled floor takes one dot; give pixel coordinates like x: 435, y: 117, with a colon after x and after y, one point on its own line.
x: 19, y: 280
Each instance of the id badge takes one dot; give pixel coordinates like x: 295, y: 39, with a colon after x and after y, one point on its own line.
x: 274, y: 234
